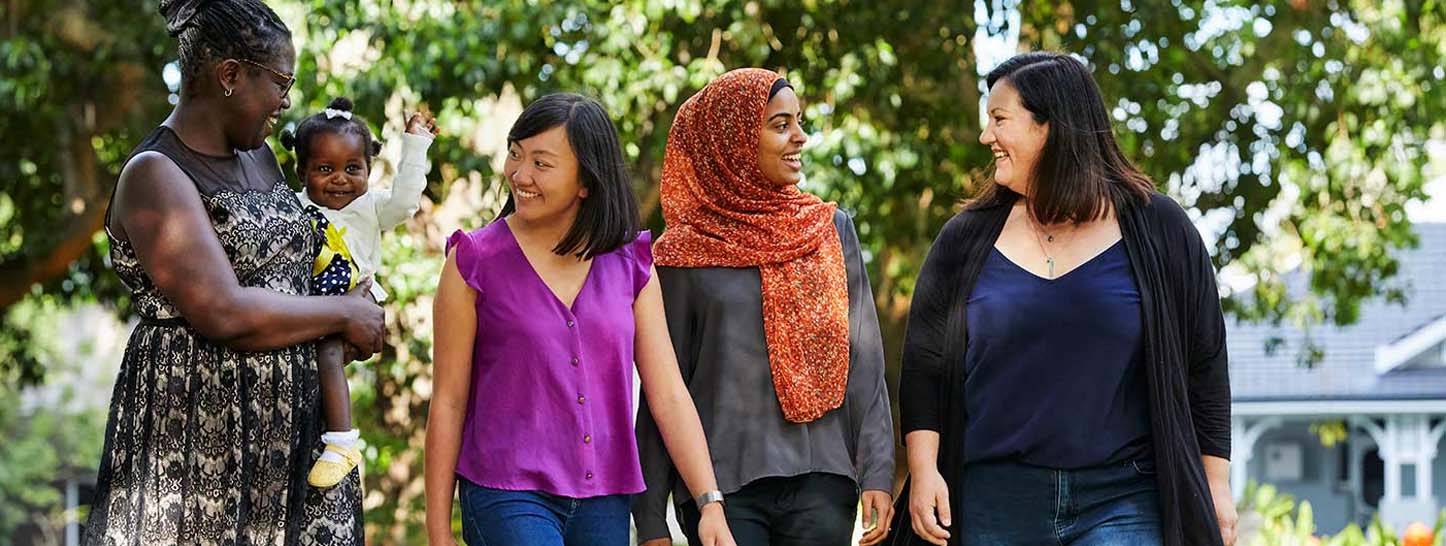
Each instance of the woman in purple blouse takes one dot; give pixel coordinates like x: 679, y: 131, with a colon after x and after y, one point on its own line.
x: 539, y: 318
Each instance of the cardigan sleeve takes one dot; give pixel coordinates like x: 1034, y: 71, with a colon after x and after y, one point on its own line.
x: 1208, y: 360
x: 1203, y: 323
x: 921, y: 375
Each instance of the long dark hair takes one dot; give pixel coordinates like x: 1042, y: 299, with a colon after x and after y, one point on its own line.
x: 1081, y: 172
x: 608, y: 217
x: 211, y: 30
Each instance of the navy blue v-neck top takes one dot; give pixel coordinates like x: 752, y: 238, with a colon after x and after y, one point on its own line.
x: 1054, y: 372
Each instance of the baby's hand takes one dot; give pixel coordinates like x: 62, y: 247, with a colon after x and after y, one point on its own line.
x: 422, y: 123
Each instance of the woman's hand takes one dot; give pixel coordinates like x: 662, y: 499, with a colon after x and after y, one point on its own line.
x: 1217, y: 474
x: 1225, y: 514
x: 713, y: 527
x: 366, y: 326
x: 879, y: 505
x: 930, y: 494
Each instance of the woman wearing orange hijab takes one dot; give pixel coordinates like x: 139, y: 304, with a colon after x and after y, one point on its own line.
x: 771, y: 314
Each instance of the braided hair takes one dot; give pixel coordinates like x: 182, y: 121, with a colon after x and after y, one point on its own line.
x: 300, y: 140
x: 209, y: 30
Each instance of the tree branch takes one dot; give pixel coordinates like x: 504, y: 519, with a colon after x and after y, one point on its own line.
x: 83, y: 201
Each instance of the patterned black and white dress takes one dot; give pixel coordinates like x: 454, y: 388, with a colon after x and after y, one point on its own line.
x: 208, y: 445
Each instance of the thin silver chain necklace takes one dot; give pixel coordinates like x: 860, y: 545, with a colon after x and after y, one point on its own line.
x: 1038, y: 230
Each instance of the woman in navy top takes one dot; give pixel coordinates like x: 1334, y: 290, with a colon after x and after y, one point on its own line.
x: 1065, y: 342
x: 1052, y: 385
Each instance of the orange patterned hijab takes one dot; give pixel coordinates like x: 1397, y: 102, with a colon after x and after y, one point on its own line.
x: 722, y: 212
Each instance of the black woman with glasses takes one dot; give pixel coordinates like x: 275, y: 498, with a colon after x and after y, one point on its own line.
x: 216, y: 417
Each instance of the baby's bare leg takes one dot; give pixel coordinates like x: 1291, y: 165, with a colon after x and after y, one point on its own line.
x: 335, y: 394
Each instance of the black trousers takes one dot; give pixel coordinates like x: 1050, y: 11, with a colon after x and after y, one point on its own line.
x: 814, y: 509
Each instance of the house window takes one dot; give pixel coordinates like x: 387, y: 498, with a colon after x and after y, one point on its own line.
x: 1284, y: 462
x: 1408, y: 480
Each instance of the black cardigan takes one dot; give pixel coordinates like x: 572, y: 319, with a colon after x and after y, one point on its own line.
x: 1184, y: 348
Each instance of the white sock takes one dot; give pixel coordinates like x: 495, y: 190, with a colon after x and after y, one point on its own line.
x: 343, y: 440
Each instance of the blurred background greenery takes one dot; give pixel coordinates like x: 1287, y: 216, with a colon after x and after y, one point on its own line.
x: 1297, y: 132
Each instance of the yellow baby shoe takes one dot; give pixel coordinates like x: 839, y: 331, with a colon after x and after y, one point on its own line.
x: 327, y: 473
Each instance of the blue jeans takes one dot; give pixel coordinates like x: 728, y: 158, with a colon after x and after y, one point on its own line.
x: 1010, y: 503
x: 496, y: 517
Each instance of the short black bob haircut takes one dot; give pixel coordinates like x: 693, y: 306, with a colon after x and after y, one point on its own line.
x: 608, y: 217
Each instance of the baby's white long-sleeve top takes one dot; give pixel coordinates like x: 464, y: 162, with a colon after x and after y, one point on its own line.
x: 378, y: 210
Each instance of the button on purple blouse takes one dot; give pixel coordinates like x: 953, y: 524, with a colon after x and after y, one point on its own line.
x: 551, y: 404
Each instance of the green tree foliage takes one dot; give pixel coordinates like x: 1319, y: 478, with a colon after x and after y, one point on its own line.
x: 79, y: 86
x: 53, y: 433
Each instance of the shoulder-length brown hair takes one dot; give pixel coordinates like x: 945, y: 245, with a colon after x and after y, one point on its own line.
x: 1081, y: 172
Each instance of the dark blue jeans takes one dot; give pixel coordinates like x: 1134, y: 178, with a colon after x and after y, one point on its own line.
x: 1008, y: 504
x: 496, y: 517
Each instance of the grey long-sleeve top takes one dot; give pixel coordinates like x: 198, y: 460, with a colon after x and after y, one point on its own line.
x: 715, y: 317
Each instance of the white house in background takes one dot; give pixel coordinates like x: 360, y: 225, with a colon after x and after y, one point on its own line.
x: 1384, y: 376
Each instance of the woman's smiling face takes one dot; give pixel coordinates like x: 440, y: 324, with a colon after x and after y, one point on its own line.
x: 781, y: 139
x: 1014, y: 136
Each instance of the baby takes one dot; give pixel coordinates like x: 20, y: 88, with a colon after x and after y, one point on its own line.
x: 334, y: 151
